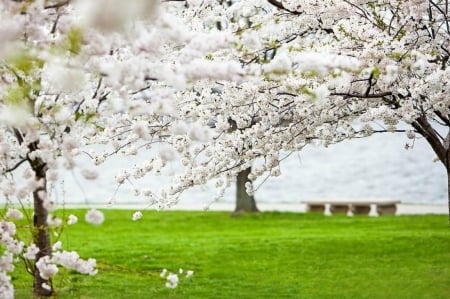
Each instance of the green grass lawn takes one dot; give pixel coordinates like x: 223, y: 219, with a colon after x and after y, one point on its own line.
x: 269, y: 255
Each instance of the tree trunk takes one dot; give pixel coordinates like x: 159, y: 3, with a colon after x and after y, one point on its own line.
x: 439, y: 146
x: 41, y: 235
x: 244, y: 203
x: 448, y: 190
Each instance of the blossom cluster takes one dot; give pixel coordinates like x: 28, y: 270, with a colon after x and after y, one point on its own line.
x: 47, y: 264
x: 172, y: 279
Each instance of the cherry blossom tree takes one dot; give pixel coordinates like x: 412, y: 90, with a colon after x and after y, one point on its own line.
x: 323, y: 72
x: 403, y: 50
x: 78, y: 73
x: 211, y: 86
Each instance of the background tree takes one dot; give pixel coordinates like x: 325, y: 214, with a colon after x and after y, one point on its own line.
x: 328, y: 71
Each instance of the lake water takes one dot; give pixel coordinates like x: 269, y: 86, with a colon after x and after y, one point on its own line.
x: 375, y: 167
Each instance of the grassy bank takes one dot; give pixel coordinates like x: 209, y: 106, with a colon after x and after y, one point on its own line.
x: 270, y: 255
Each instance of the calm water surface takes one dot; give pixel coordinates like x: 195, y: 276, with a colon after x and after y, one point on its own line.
x: 375, y: 167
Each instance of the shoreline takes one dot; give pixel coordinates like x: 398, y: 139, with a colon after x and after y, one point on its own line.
x: 402, y: 209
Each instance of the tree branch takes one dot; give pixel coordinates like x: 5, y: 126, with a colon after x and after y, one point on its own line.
x: 362, y: 96
x: 280, y: 5
x: 15, y: 166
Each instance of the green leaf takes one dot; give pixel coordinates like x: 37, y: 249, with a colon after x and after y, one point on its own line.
x: 376, y: 72
x: 25, y: 62
x: 74, y: 39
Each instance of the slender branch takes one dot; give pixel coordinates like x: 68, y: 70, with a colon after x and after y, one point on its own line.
x: 446, y: 120
x: 280, y: 5
x: 15, y: 166
x: 426, y: 130
x: 57, y: 4
x: 18, y: 135
x: 99, y: 84
x: 363, y: 96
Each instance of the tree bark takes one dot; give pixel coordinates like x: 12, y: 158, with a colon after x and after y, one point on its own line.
x: 448, y: 190
x: 244, y: 203
x: 447, y: 166
x: 439, y: 146
x: 41, y: 235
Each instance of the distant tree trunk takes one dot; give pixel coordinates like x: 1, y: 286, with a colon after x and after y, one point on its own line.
x: 244, y: 203
x: 41, y: 235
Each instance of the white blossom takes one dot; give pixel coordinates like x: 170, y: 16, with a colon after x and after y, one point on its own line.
x: 47, y: 269
x: 46, y: 286
x: 54, y: 221
x: 89, y: 174
x: 172, y: 281
x: 72, y: 219
x: 6, y: 288
x: 57, y: 246
x: 94, y: 217
x: 6, y: 262
x: 14, y: 214
x: 71, y: 260
x: 137, y: 215
x: 31, y: 252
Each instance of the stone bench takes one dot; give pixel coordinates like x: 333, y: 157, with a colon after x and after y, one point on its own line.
x: 353, y: 207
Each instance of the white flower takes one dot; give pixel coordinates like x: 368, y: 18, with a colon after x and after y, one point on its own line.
x: 163, y: 273
x: 6, y: 262
x: 140, y: 128
x: 94, y: 217
x: 280, y: 64
x: 31, y: 252
x: 89, y: 174
x: 53, y: 221
x: 167, y: 153
x: 137, y: 215
x: 189, y: 273
x: 87, y: 267
x: 410, y: 134
x: 108, y: 15
x: 46, y: 286
x: 15, y: 246
x: 65, y: 79
x: 7, y: 290
x: 15, y: 115
x: 49, y: 204
x: 321, y: 93
x: 72, y: 219
x: 14, y: 214
x: 7, y: 228
x: 46, y: 268
x: 57, y: 246
x: 172, y: 281
x: 71, y: 260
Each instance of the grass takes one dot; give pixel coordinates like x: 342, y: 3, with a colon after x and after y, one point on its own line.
x: 269, y: 255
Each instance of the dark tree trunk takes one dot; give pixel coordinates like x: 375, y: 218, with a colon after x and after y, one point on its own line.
x: 244, y: 203
x: 41, y: 235
x: 440, y: 147
x: 448, y: 199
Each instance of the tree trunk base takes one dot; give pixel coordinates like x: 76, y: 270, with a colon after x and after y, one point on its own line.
x: 244, y: 203
x: 237, y: 213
